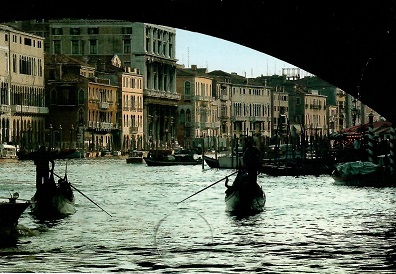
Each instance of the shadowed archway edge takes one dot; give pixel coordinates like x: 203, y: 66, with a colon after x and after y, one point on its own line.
x: 350, y: 45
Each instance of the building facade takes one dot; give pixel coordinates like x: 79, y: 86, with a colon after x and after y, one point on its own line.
x: 22, y: 94
x: 149, y: 48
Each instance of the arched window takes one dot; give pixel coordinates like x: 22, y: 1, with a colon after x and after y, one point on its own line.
x: 182, y: 117
x: 188, y: 115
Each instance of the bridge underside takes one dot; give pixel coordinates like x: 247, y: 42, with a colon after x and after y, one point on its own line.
x: 350, y: 46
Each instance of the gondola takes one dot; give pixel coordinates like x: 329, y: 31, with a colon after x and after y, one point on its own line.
x: 244, y: 197
x: 53, y: 200
x: 154, y: 159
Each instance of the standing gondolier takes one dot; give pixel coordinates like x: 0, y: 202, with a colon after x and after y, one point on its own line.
x: 42, y: 160
x: 251, y: 160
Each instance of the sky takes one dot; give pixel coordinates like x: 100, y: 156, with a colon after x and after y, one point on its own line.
x: 193, y: 48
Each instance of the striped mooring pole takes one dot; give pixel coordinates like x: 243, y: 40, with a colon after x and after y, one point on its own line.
x: 370, y: 150
x: 392, y: 141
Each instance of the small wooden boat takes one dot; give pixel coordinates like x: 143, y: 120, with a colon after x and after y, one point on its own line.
x: 244, y: 197
x: 10, y: 212
x: 53, y: 200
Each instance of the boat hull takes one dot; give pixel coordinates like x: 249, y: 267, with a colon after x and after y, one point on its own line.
x: 226, y: 162
x: 360, y: 173
x: 244, y: 197
x: 52, y: 202
x: 10, y: 212
x: 152, y: 162
x: 134, y: 160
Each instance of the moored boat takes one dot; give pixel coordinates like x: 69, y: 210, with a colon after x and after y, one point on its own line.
x: 211, y: 162
x: 53, y: 200
x: 226, y: 162
x: 362, y: 173
x: 10, y: 212
x: 8, y: 152
x: 172, y: 160
x: 135, y: 157
x: 244, y: 197
x: 169, y: 158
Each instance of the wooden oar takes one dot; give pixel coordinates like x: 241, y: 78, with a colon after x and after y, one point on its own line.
x: 208, y: 187
x: 83, y: 195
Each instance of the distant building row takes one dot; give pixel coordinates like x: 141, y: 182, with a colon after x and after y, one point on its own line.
x: 116, y: 85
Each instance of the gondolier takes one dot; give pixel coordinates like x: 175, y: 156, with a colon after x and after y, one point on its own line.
x: 42, y: 160
x: 251, y: 160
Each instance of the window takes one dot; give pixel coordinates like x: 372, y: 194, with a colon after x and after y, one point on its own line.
x: 93, y: 47
x: 75, y: 46
x: 126, y: 30
x: 74, y: 31
x: 6, y: 37
x: 93, y: 30
x: 57, y: 47
x: 81, y: 97
x: 14, y: 63
x: 127, y: 45
x: 187, y: 90
x: 51, y: 74
x: 6, y: 61
x: 57, y: 31
x: 182, y: 117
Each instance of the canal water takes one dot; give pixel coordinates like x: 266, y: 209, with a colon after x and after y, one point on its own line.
x: 309, y: 225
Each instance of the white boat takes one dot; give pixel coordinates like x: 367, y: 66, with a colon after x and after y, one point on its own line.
x: 226, y: 161
x: 8, y: 151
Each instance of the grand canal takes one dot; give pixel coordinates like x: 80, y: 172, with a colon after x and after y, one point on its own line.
x: 310, y: 224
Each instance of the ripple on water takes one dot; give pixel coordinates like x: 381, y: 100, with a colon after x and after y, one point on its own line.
x: 309, y: 225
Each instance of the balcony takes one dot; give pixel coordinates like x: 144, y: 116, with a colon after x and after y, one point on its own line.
x: 28, y: 109
x: 257, y: 118
x: 216, y: 124
x: 104, y: 105
x: 93, y: 124
x: 238, y: 118
x: 133, y: 130
x: 203, y: 98
x: 106, y: 126
x: 161, y: 94
x: 5, y: 108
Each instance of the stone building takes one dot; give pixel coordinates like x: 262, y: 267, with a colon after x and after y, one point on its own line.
x: 149, y: 48
x: 83, y: 107
x: 22, y: 95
